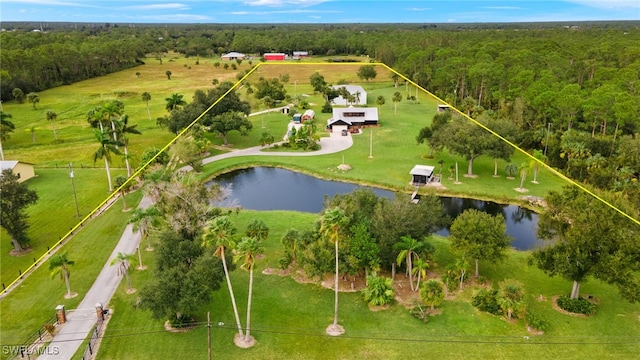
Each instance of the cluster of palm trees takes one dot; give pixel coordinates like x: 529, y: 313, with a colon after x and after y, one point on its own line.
x: 111, y: 127
x: 220, y: 234
x: 413, y: 253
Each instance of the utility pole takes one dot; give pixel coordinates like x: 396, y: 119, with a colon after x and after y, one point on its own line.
x: 208, y: 335
x: 73, y: 187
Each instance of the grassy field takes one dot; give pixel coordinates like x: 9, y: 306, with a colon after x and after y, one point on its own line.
x: 289, y: 322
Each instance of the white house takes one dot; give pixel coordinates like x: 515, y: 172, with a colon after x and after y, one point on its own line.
x: 23, y: 170
x: 353, y: 118
x: 233, y: 55
x: 355, y: 90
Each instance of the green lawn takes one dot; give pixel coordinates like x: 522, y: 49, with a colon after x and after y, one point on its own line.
x: 35, y: 299
x: 289, y: 319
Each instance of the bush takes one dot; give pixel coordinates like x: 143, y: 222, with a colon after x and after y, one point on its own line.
x: 487, y: 300
x: 576, y: 306
x: 537, y: 322
x: 379, y: 291
x: 420, y: 313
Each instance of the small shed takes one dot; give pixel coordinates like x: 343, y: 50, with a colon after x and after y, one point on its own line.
x: 297, y: 118
x: 443, y: 107
x: 308, y: 115
x: 286, y: 110
x: 23, y: 170
x: 422, y: 174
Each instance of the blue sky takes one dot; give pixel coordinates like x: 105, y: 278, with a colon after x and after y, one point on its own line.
x: 317, y: 11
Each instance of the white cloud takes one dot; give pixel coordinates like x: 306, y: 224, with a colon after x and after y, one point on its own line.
x: 418, y: 9
x: 158, y: 6
x: 608, y: 4
x: 176, y: 18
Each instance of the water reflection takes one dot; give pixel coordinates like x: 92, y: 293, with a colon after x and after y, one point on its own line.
x: 264, y: 188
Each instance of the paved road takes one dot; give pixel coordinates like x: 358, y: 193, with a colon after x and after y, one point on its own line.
x: 80, y: 321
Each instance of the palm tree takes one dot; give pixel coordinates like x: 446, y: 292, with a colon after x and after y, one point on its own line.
x: 6, y: 127
x: 511, y: 169
x: 380, y: 101
x: 107, y: 147
x: 397, y: 97
x: 123, y: 129
x: 175, y: 102
x: 146, y: 97
x: 420, y: 268
x: 124, y: 262
x: 145, y: 220
x: 331, y: 224
x: 18, y: 94
x: 247, y: 250
x: 524, y: 170
x: 52, y: 116
x: 124, y: 186
x: 257, y: 229
x: 59, y: 265
x: 33, y: 98
x: 510, y: 297
x: 219, y: 233
x: 291, y: 241
x: 408, y: 248
x: 537, y: 155
x: 432, y: 293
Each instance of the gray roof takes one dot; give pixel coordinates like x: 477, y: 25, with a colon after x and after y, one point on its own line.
x: 423, y: 170
x: 234, y: 54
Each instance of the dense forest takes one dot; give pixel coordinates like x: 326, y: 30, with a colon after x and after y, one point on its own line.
x: 571, y: 90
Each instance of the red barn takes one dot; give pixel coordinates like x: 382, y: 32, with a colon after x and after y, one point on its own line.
x: 274, y: 56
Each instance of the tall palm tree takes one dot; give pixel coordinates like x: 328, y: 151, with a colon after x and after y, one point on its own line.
x: 59, y: 265
x: 124, y: 262
x: 408, y: 248
x: 112, y: 112
x: 397, y: 97
x: 6, y: 127
x: 51, y: 117
x: 146, y: 97
x: 123, y: 129
x: 331, y: 224
x: 247, y: 250
x: 524, y: 170
x: 175, y: 102
x: 220, y: 233
x: 107, y: 147
x: 420, y: 267
x: 145, y: 220
x: 537, y: 155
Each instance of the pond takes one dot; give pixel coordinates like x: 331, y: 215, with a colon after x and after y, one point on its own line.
x: 264, y: 188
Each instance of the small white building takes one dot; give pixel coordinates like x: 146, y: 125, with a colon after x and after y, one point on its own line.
x: 421, y: 174
x: 353, y: 118
x: 355, y: 90
x: 233, y: 55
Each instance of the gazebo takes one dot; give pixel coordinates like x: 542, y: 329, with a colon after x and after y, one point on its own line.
x: 422, y: 174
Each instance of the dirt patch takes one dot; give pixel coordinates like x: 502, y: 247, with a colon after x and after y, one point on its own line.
x: 279, y: 272
x: 25, y: 251
x: 521, y: 190
x: 404, y: 295
x: 376, y: 308
x: 169, y: 328
x: 533, y: 331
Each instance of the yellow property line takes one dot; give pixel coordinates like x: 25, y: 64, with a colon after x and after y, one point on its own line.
x: 236, y: 85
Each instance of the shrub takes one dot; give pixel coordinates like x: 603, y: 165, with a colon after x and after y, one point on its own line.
x: 487, y: 300
x: 577, y: 306
x: 420, y: 313
x: 537, y: 322
x: 379, y: 290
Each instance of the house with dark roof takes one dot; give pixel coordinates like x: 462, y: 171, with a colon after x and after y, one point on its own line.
x: 351, y: 118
